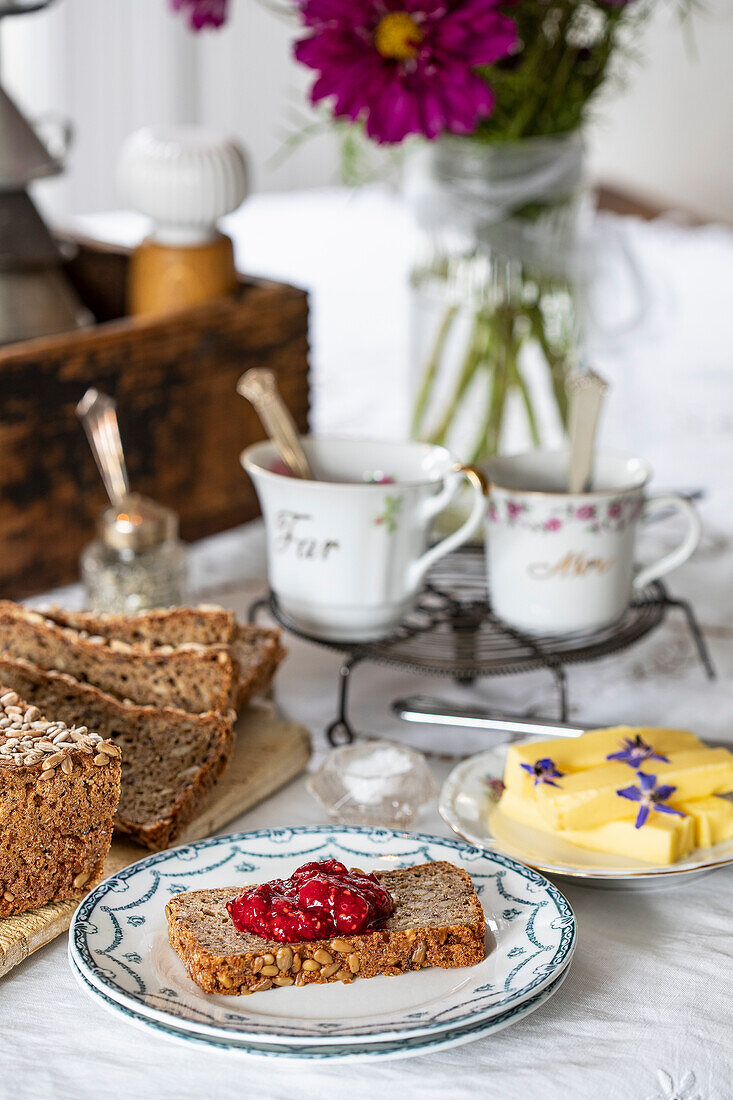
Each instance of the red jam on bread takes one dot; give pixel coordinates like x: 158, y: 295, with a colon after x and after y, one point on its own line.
x: 319, y: 900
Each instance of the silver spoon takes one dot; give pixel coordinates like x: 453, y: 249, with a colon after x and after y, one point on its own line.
x: 585, y: 393
x: 98, y: 414
x: 258, y: 385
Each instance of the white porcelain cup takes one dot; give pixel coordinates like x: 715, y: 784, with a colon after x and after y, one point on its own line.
x: 560, y: 562
x: 346, y: 553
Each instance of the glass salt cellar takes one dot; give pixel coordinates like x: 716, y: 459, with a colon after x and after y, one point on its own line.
x: 138, y: 561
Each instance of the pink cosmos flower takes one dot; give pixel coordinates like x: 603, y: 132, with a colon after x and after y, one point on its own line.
x: 202, y: 13
x: 405, y: 66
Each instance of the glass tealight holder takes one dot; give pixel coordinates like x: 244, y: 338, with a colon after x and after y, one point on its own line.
x: 374, y: 783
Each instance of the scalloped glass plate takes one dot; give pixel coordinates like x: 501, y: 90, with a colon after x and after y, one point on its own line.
x: 467, y: 805
x: 118, y: 940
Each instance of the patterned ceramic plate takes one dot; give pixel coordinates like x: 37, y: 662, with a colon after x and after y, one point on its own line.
x: 338, y: 1052
x: 119, y: 942
x: 467, y: 804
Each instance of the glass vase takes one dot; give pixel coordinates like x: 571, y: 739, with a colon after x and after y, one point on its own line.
x: 496, y: 291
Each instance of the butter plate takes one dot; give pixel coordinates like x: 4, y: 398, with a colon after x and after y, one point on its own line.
x: 468, y: 804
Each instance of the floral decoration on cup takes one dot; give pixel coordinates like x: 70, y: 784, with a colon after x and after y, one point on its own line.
x: 388, y: 517
x: 615, y: 515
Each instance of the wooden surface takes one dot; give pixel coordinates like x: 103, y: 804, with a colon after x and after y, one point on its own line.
x: 183, y: 425
x: 269, y: 753
x: 616, y: 200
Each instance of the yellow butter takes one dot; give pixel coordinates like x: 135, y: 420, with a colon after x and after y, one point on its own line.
x: 572, y: 754
x: 588, y: 798
x: 713, y: 818
x: 664, y: 838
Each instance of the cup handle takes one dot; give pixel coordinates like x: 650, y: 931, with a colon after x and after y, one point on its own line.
x: 480, y: 488
x: 682, y: 552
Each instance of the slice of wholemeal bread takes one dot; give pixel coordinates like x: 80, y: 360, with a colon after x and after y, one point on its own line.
x: 171, y: 760
x: 438, y: 921
x: 194, y: 679
x: 256, y: 651
x: 204, y: 625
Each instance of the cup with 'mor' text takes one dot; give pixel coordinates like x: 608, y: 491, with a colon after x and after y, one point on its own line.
x: 560, y: 562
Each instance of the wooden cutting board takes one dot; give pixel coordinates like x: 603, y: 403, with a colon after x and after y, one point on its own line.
x: 269, y: 752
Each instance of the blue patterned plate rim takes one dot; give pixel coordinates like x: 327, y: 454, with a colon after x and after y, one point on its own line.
x: 120, y: 965
x: 403, y: 1049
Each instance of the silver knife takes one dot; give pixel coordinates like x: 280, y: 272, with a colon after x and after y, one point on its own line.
x: 436, y: 712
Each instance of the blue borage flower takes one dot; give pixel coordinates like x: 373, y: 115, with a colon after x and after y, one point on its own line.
x: 635, y: 752
x: 650, y: 796
x: 543, y: 771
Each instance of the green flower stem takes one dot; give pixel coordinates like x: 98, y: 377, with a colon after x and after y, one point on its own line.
x: 534, y: 55
x: 502, y: 363
x: 529, y: 114
x: 431, y: 369
x: 496, y: 340
x: 557, y: 364
x: 480, y: 335
x: 524, y: 393
x: 560, y: 79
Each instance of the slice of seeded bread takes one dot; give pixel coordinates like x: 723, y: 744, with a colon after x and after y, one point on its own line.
x: 256, y: 651
x: 170, y: 759
x: 194, y: 679
x: 438, y: 921
x: 204, y: 625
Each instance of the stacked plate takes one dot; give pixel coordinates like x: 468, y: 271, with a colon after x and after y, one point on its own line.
x: 119, y: 951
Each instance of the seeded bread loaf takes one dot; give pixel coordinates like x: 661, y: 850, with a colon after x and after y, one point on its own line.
x: 256, y: 651
x: 194, y: 679
x: 171, y: 760
x: 438, y: 921
x: 59, y: 787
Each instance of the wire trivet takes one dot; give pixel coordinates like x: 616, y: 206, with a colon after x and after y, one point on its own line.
x: 452, y: 631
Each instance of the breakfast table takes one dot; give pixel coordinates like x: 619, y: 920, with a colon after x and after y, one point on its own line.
x: 645, y: 1011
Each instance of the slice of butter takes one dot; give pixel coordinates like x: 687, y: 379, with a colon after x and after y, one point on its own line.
x: 713, y: 818
x: 573, y: 754
x: 588, y: 798
x: 663, y: 839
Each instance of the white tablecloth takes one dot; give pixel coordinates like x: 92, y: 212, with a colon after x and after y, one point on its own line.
x: 645, y: 1013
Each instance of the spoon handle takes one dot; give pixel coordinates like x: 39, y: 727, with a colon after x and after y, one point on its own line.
x: 585, y: 393
x: 259, y: 387
x: 98, y: 414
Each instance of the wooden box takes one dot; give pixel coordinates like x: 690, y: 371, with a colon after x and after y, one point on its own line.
x: 183, y: 425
